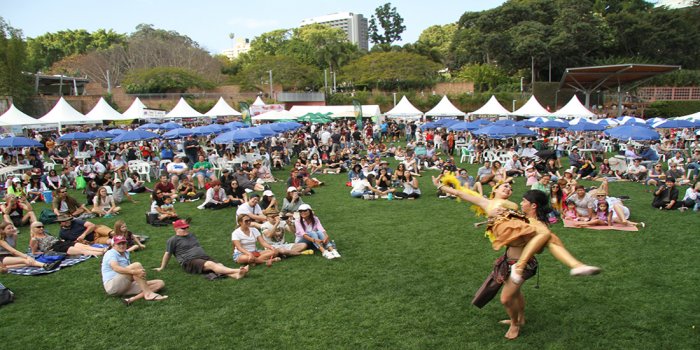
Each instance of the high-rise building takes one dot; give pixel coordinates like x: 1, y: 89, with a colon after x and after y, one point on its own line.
x: 355, y: 25
x: 675, y: 4
x: 240, y: 46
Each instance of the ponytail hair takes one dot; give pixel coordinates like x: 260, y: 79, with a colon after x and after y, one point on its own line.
x: 540, y: 199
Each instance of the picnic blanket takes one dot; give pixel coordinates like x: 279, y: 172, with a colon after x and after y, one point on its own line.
x: 33, y: 271
x: 617, y: 227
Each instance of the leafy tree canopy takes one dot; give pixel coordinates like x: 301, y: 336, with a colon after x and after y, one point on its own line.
x: 286, y: 71
x: 164, y: 80
x: 49, y: 48
x: 392, y: 70
x: 13, y: 59
x: 391, y: 23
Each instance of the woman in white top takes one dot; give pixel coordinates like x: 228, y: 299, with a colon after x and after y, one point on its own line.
x: 103, y: 204
x: 244, y: 249
x: 410, y: 187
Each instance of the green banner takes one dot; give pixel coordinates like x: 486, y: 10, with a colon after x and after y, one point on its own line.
x: 245, y: 113
x: 358, y: 113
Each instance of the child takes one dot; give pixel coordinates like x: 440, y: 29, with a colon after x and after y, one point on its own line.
x: 166, y: 211
x: 532, y: 175
x: 602, y: 216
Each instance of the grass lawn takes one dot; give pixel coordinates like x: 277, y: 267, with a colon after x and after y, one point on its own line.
x: 408, y: 272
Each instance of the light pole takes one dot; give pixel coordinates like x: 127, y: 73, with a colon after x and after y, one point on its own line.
x: 513, y: 106
x: 394, y: 99
x: 334, y: 87
x: 270, y: 71
x: 521, y: 86
x: 325, y: 81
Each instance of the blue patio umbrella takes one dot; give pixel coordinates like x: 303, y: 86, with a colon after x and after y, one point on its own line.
x: 116, y: 132
x: 653, y: 121
x: 291, y: 125
x: 504, y: 122
x: 18, y: 142
x: 586, y: 126
x: 674, y: 124
x: 482, y: 121
x: 429, y: 125
x: 501, y: 131
x: 445, y: 122
x: 238, y: 136
x: 265, y: 130
x: 631, y: 132
x: 235, y: 125
x: 169, y: 126
x: 552, y: 124
x: 75, y: 136
x: 135, y: 135
x: 207, y: 130
x: 277, y: 127
x: 463, y: 126
x: 151, y: 126
x: 177, y: 133
x: 99, y: 134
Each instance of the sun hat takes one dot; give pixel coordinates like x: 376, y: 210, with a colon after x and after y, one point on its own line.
x: 304, y: 207
x: 181, y: 224
x: 64, y: 217
x: 270, y: 211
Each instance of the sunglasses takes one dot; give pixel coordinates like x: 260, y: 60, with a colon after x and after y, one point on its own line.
x: 245, y: 221
x: 39, y: 226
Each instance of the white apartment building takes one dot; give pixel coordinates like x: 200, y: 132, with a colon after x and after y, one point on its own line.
x: 240, y: 46
x: 355, y: 25
x: 675, y: 4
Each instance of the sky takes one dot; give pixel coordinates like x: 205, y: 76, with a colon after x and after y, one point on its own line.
x: 210, y: 22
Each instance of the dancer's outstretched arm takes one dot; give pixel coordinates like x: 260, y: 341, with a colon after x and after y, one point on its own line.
x: 472, y: 198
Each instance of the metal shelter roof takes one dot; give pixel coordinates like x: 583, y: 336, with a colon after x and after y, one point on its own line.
x: 612, y: 77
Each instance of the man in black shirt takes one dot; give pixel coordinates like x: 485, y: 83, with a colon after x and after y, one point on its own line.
x: 666, y: 196
x: 192, y: 257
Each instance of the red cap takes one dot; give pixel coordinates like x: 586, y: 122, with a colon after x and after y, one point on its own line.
x: 181, y: 224
x: 118, y: 239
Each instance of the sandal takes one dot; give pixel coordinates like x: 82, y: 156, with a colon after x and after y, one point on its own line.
x: 126, y: 302
x: 158, y: 297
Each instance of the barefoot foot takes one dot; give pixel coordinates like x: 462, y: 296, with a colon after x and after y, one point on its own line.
x: 513, y: 332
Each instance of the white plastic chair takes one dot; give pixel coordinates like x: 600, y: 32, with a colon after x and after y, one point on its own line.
x: 144, y: 169
x: 163, y: 165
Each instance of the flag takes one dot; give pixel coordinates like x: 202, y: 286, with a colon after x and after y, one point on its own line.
x: 358, y: 113
x: 245, y: 113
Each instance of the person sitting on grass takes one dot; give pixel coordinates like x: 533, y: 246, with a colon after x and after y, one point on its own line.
x: 65, y: 204
x: 103, y: 204
x: 187, y: 191
x: 410, y: 187
x: 10, y: 257
x: 292, y: 202
x: 202, y: 170
x: 252, y: 209
x: 216, y: 197
x: 120, y: 192
x: 236, y: 194
x: 165, y: 187
x: 41, y: 242
x: 582, y: 202
x: 602, y: 216
x: 542, y: 184
x: 656, y: 175
x: 268, y: 200
x: 165, y: 209
x: 691, y: 198
x: 273, y: 231
x: 192, y: 257
x: 133, y: 242
x: 244, y: 248
x: 17, y: 211
x: 121, y: 277
x: 308, y: 230
x: 76, y: 230
x: 261, y: 172
x: 666, y: 195
x: 35, y: 189
x: 133, y: 184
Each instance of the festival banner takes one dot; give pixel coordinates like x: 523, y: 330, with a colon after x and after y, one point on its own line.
x: 358, y: 113
x: 245, y: 113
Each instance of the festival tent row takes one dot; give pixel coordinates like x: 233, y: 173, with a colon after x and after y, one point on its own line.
x: 490, y: 109
x: 404, y: 110
x: 443, y: 109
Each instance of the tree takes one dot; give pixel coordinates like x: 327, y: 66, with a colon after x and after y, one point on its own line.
x: 49, y: 48
x: 287, y: 71
x: 13, y: 61
x: 391, y: 71
x: 486, y: 77
x: 164, y: 80
x: 437, y: 39
x: 391, y: 23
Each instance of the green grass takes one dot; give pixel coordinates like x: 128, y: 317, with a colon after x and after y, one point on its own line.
x: 408, y: 272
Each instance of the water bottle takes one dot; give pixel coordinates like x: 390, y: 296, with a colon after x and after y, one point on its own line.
x: 332, y: 244
x: 390, y: 196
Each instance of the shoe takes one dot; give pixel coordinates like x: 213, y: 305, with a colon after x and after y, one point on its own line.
x: 585, y: 270
x: 52, y: 266
x: 107, y: 216
x: 642, y: 224
x: 200, y: 207
x: 327, y: 254
x: 308, y: 252
x: 515, y: 276
x: 335, y: 253
x: 682, y: 209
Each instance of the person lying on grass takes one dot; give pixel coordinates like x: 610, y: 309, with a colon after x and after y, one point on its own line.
x: 244, y: 248
x: 11, y: 257
x: 121, y: 277
x: 41, y: 242
x: 191, y: 256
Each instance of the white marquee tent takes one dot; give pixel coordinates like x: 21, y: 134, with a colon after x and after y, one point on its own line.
x: 404, y: 109
x: 63, y: 113
x: 691, y: 117
x: 259, y: 102
x: 344, y: 111
x: 182, y: 110
x: 135, y: 111
x: 104, y: 111
x: 275, y: 115
x: 222, y: 109
x: 574, y: 109
x: 532, y: 108
x: 491, y: 108
x: 15, y: 117
x: 445, y: 108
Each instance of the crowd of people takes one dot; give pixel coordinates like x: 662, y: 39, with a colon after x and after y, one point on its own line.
x: 189, y: 171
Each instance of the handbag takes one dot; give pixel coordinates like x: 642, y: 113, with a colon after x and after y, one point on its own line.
x: 47, y: 216
x: 80, y: 183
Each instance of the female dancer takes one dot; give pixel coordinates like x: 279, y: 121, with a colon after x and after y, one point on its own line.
x: 506, y: 227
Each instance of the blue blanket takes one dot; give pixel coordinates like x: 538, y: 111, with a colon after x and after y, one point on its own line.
x: 32, y: 271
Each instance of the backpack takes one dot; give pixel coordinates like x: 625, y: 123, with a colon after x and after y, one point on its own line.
x: 6, y: 295
x: 47, y: 216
